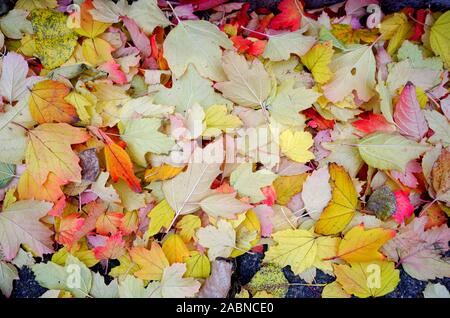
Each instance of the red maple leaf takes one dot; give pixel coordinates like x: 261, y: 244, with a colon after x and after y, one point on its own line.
x: 404, y: 207
x: 373, y: 122
x: 290, y: 16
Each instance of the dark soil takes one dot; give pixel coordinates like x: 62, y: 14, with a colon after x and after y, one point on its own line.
x: 27, y: 286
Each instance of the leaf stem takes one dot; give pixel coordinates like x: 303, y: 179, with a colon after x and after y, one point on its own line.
x: 20, y: 125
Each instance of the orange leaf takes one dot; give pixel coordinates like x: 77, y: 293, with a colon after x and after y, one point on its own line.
x: 94, y: 211
x: 359, y: 245
x: 151, y: 262
x: 47, y: 103
x: 68, y: 226
x: 88, y: 26
x: 29, y: 189
x: 118, y: 162
x: 113, y: 248
x: 108, y: 222
x: 129, y: 223
x: 49, y: 150
x: 162, y: 172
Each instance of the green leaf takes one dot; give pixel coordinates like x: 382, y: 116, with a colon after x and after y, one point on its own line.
x: 54, y: 40
x: 440, y: 126
x: 326, y: 35
x: 389, y: 151
x: 101, y: 290
x: 353, y: 71
x: 248, y: 84
x: 13, y: 139
x: 7, y: 173
x: 385, y: 99
x: 132, y: 287
x: 280, y: 47
x: 189, y: 89
x: 15, y: 24
x: 440, y: 37
x: 289, y: 101
x: 249, y: 183
x: 8, y: 273
x: 147, y: 15
x: 411, y: 51
x: 142, y: 136
x: 73, y: 277
x: 342, y: 151
x: 402, y: 72
x: 200, y: 42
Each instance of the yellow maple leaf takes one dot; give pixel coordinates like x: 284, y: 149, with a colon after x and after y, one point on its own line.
x: 197, y: 265
x: 348, y: 35
x: 317, y: 60
x: 247, y: 233
x: 88, y: 26
x: 187, y: 226
x: 359, y: 245
x: 96, y: 51
x: 217, y: 120
x: 300, y: 249
x: 341, y: 208
x: 327, y: 248
x: 175, y: 249
x: 372, y: 279
x: 151, y: 262
x: 81, y: 252
x: 81, y: 105
x: 126, y: 267
x: 160, y: 216
x: 439, y: 37
x: 295, y: 145
x: 396, y: 28
x: 287, y: 186
x: 334, y: 290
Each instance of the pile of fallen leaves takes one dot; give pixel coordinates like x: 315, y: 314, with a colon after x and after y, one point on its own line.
x: 145, y: 148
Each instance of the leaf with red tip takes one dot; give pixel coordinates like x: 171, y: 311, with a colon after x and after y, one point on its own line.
x: 115, y: 74
x: 58, y: 207
x: 47, y: 103
x: 30, y: 189
x: 68, y: 226
x: 119, y: 165
x: 113, y: 249
x: 108, y: 223
x: 408, y: 115
x: 49, y: 150
x: 94, y: 210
